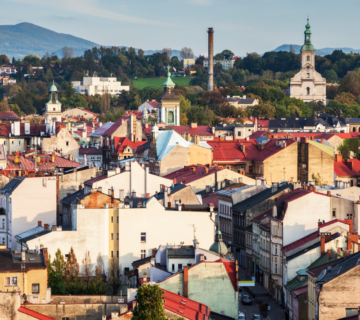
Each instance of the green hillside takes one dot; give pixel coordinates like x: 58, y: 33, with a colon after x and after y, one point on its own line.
x: 26, y: 38
x: 158, y: 82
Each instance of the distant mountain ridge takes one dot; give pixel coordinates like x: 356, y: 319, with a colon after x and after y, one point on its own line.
x: 26, y: 38
x: 319, y: 52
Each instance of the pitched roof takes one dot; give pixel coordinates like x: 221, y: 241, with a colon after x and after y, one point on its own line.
x: 8, y: 115
x: 186, y: 308
x: 28, y: 163
x: 121, y: 143
x: 12, y: 185
x: 34, y: 314
x: 187, y: 173
x: 300, y: 242
x: 10, y: 261
x: 343, y: 168
x: 92, y: 150
x: 96, y: 179
x: 198, y: 131
x: 166, y: 141
x: 154, y: 104
x: 101, y: 130
x: 115, y: 126
x: 76, y: 195
x: 231, y: 150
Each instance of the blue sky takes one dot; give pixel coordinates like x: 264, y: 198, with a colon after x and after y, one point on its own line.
x: 240, y: 25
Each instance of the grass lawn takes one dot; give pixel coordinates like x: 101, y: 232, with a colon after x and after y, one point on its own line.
x: 158, y: 82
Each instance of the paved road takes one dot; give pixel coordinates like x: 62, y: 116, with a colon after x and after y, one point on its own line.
x: 261, y: 295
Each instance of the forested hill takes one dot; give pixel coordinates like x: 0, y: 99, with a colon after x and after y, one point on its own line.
x: 319, y: 52
x: 26, y: 38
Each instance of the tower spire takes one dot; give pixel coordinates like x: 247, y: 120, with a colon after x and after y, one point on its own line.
x: 307, y: 37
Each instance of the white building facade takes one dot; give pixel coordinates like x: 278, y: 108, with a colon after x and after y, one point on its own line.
x: 99, y: 85
x: 308, y: 84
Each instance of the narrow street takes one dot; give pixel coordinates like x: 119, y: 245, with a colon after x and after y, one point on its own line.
x: 259, y: 295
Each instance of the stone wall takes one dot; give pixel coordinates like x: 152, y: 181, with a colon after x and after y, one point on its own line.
x: 320, y: 163
x: 9, y: 303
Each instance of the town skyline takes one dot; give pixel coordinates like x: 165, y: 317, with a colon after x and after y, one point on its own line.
x: 151, y: 29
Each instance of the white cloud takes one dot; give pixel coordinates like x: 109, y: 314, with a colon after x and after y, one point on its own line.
x: 89, y: 7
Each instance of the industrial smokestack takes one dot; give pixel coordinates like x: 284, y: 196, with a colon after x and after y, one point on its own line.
x: 211, y: 60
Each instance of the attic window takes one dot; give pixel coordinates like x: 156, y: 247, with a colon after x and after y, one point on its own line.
x: 11, y: 116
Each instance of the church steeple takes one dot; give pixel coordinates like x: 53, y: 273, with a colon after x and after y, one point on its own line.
x: 307, y: 38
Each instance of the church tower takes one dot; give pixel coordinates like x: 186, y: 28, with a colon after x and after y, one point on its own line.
x: 53, y: 110
x: 169, y: 104
x: 308, y: 84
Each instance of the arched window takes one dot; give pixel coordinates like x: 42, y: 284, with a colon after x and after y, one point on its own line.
x: 171, y: 117
x: 308, y: 75
x: 308, y: 58
x: 307, y: 90
x: 354, y: 129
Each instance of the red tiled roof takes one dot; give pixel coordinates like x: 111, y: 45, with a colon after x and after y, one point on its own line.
x: 92, y: 150
x: 187, y: 173
x: 147, y: 130
x: 333, y: 221
x: 154, y: 104
x: 28, y: 163
x: 231, y: 150
x: 8, y: 115
x: 300, y: 291
x: 189, y: 309
x: 93, y: 180
x: 212, y: 198
x: 262, y: 215
x: 121, y: 143
x: 300, y: 242
x: 257, y: 134
x: 342, y: 170
x: 34, y: 314
x: 198, y: 131
x: 263, y: 123
x: 88, y: 111
x: 116, y: 125
x: 34, y: 130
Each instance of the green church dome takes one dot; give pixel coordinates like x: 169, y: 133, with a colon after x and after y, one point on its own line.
x: 53, y: 88
x: 307, y: 41
x: 219, y: 246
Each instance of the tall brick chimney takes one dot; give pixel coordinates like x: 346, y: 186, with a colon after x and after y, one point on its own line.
x: 210, y: 86
x: 186, y: 284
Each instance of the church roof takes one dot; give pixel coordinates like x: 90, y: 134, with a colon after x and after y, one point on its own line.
x: 53, y: 88
x: 219, y: 246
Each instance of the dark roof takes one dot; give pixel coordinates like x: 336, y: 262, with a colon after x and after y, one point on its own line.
x: 177, y: 187
x: 245, y: 101
x: 168, y: 94
x: 222, y: 127
x: 12, y: 185
x: 259, y: 198
x: 343, y: 266
x: 135, y: 201
x: 307, y: 249
x: 183, y: 252
x: 34, y: 236
x: 9, y: 261
x: 78, y: 194
x: 137, y: 263
x: 291, y: 122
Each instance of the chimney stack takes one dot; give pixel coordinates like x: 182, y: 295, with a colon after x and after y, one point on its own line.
x: 185, y: 287
x: 210, y: 86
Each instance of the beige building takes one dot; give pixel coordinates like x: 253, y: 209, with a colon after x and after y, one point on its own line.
x: 63, y: 142
x: 79, y: 113
x: 187, y: 63
x: 308, y: 84
x: 96, y: 85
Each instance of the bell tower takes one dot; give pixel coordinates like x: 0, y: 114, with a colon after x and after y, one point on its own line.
x: 169, y: 104
x: 53, y: 110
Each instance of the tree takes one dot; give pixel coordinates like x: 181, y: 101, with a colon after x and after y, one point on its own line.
x: 87, y: 268
x: 168, y: 51
x: 105, y: 102
x: 346, y: 98
x: 58, y: 265
x: 99, y: 269
x: 187, y: 72
x: 114, y: 276
x: 227, y: 54
x: 68, y: 53
x: 72, y: 267
x: 186, y: 53
x: 4, y: 59
x: 330, y: 75
x: 56, y: 273
x: 4, y: 106
x: 262, y: 110
x: 49, y: 75
x: 331, y: 92
x: 183, y: 119
x: 150, y: 304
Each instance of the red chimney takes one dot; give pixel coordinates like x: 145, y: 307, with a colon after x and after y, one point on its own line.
x: 148, y: 195
x: 39, y: 223
x: 338, y: 158
x: 184, y: 180
x: 174, y: 180
x: 193, y: 170
x: 46, y: 226
x: 186, y: 279
x: 206, y: 170
x: 350, y: 222
x: 329, y: 193
x: 329, y: 254
x: 325, y: 237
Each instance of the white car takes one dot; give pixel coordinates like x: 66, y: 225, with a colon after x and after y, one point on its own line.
x: 241, y: 316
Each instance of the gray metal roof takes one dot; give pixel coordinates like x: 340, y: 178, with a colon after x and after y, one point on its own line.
x: 183, y: 252
x: 229, y: 192
x: 9, y: 188
x: 246, y: 101
x: 71, y: 198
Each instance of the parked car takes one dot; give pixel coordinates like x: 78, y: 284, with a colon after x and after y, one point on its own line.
x: 246, y: 299
x: 241, y: 316
x: 256, y: 317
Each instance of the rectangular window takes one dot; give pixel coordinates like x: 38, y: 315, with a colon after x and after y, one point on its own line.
x: 173, y: 267
x: 126, y: 270
x: 250, y: 169
x: 334, y: 212
x: 179, y: 266
x: 239, y: 133
x: 112, y: 236
x: 117, y: 219
x: 9, y: 281
x: 5, y: 143
x: 65, y: 318
x: 112, y: 219
x: 143, y: 254
x: 112, y: 254
x: 117, y: 254
x: 143, y: 236
x: 67, y: 143
x: 117, y: 236
x: 35, y: 288
x: 349, y: 216
x: 19, y: 143
x: 12, y: 142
